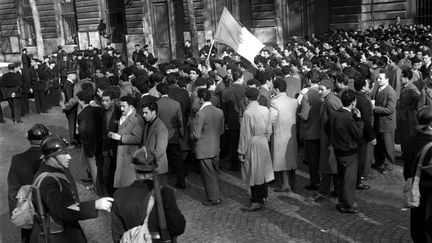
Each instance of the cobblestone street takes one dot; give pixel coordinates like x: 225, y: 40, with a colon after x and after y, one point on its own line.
x: 285, y: 218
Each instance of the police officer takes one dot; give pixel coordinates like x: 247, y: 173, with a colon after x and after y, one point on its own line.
x: 23, y: 168
x: 38, y: 85
x: 59, y: 197
x: 12, y: 83
x: 128, y: 201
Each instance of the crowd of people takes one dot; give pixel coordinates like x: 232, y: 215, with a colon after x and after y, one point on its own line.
x: 345, y: 97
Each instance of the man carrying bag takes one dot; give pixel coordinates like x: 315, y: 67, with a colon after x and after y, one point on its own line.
x: 417, y: 156
x: 134, y: 209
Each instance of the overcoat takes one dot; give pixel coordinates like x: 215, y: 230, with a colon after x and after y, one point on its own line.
x: 255, y: 132
x: 327, y: 164
x: 131, y: 131
x: 284, y: 138
x: 155, y: 139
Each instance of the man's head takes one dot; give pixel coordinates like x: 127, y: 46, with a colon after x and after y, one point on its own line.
x: 127, y: 103
x: 427, y: 57
x: 84, y: 97
x: 279, y: 85
x: 150, y: 111
x: 194, y: 73
x: 382, y: 78
x: 99, y: 73
x: 137, y: 47
x: 55, y: 151
x: 325, y: 87
x: 121, y: 65
x: 265, y: 78
x: 108, y: 99
x: 162, y: 88
x: 37, y: 133
x: 348, y: 99
x: 362, y: 85
x: 251, y: 94
x: 406, y: 76
x: 237, y: 76
x: 204, y: 95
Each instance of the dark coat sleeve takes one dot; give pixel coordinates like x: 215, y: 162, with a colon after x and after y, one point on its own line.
x: 57, y: 201
x: 176, y: 222
x: 365, y: 109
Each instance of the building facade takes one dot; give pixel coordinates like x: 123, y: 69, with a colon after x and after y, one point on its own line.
x: 165, y: 24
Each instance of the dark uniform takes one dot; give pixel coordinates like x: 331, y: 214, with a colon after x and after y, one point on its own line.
x: 128, y: 210
x: 53, y: 93
x: 23, y: 168
x: 38, y: 84
x: 12, y: 83
x: 110, y: 120
x: 21, y: 172
x: 63, y: 206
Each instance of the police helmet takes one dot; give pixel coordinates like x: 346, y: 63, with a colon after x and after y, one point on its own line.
x: 54, y: 145
x: 37, y: 132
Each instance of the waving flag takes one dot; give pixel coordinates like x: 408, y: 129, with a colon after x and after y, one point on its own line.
x: 230, y: 32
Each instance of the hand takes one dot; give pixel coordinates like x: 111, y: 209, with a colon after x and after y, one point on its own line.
x: 31, y: 90
x: 374, y: 142
x: 356, y: 112
x: 13, y: 95
x: 241, y: 158
x: 104, y: 203
x: 114, y: 135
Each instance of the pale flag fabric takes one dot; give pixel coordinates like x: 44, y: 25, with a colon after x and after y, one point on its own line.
x: 231, y: 33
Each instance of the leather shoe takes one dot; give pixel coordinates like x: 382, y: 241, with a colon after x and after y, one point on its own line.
x: 19, y: 122
x: 362, y: 186
x: 212, y: 203
x: 252, y: 207
x: 317, y: 197
x: 282, y: 189
x: 334, y: 194
x: 350, y: 210
x: 86, y: 180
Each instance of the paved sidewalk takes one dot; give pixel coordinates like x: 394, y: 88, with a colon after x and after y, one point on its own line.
x: 285, y: 218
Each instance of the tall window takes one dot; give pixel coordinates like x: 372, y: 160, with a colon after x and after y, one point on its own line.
x: 116, y: 20
x: 69, y: 22
x: 28, y: 33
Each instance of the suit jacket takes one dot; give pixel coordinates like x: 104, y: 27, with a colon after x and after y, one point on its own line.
x: 130, y: 205
x: 155, y: 139
x: 207, y: 129
x: 181, y: 96
x: 293, y: 86
x: 21, y: 172
x: 331, y: 104
x: 394, y: 73
x: 365, y: 107
x: 90, y: 130
x: 345, y: 132
x: 38, y: 79
x: 58, y: 204
x: 110, y: 145
x: 169, y: 111
x: 385, y: 109
x: 232, y: 105
x: 12, y: 83
x: 131, y: 131
x: 309, y: 114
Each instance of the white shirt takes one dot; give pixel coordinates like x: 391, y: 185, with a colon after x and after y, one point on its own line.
x: 382, y: 87
x: 123, y: 118
x: 207, y: 103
